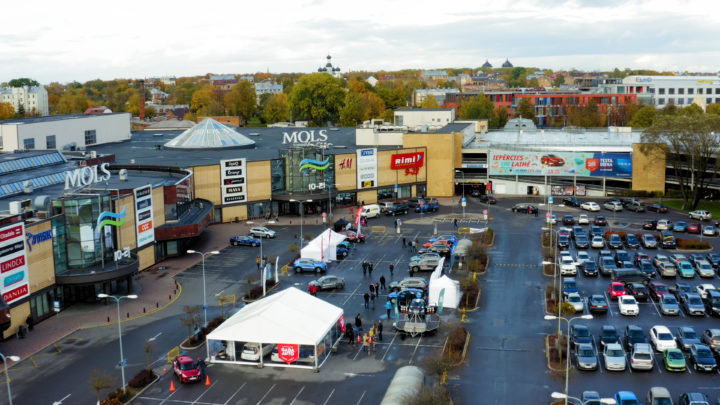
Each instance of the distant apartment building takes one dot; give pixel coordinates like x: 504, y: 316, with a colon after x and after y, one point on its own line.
x: 33, y: 99
x: 435, y: 75
x: 419, y: 95
x: 423, y: 119
x: 660, y: 91
x: 157, y: 96
x: 267, y: 87
x: 223, y: 82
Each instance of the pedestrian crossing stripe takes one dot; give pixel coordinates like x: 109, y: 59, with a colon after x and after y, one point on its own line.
x: 515, y: 265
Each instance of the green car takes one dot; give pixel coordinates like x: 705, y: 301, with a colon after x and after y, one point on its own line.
x: 674, y: 360
x: 685, y: 269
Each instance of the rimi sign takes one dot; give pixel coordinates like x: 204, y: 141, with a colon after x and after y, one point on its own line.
x: 14, y: 279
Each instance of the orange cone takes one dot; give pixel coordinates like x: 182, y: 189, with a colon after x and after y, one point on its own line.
x: 207, y: 380
x: 172, y: 386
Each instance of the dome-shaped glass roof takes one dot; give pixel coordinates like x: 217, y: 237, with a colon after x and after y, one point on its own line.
x: 210, y: 134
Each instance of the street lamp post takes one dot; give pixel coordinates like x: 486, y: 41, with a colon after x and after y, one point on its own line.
x: 117, y: 301
x: 7, y: 376
x: 567, y: 338
x: 302, y: 237
x: 261, y: 238
x: 214, y: 252
x: 560, y: 395
x: 463, y: 190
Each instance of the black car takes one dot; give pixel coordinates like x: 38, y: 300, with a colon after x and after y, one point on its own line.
x: 679, y: 289
x: 476, y: 193
x: 632, y: 241
x: 634, y: 334
x: 650, y: 224
x: 714, y: 259
x: 608, y: 335
x: 646, y: 267
x: 657, y: 208
x: 563, y: 241
x: 397, y: 209
x: 580, y: 334
x: 589, y: 268
x: 637, y: 290
x: 568, y: 220
x: 526, y: 208
x: 702, y: 358
x: 598, y: 303
x: 571, y: 202
x: 600, y: 221
x: 596, y: 231
x: 582, y: 242
x: 488, y: 199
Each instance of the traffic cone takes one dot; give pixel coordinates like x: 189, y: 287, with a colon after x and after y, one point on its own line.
x: 358, y: 338
x: 207, y: 380
x: 172, y: 386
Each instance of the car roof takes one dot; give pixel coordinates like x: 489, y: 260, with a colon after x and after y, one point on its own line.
x: 657, y: 391
x: 184, y: 359
x: 609, y: 327
x: 613, y: 346
x: 661, y: 328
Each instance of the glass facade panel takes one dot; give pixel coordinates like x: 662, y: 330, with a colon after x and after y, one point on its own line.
x: 345, y: 199
x: 307, y: 170
x: 79, y: 245
x: 386, y: 193
x: 404, y: 192
x: 277, y: 175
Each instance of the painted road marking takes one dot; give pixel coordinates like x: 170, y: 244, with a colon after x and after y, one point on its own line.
x: 298, y: 394
x: 266, y: 394
x: 413, y: 353
x: 329, y: 396
x: 361, y: 398
x: 235, y: 393
x: 389, y: 346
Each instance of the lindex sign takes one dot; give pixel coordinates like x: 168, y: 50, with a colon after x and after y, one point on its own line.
x: 288, y: 353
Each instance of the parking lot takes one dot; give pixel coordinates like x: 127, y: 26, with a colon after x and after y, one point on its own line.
x: 609, y: 382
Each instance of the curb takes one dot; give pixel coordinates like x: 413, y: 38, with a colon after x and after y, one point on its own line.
x: 157, y: 378
x: 547, y: 356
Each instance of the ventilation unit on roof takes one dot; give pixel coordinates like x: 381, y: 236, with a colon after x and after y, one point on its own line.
x: 20, y: 206
x: 123, y: 174
x: 42, y: 203
x: 27, y: 186
x: 93, y: 154
x: 71, y: 146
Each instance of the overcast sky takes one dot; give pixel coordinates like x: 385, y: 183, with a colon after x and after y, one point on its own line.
x: 51, y: 40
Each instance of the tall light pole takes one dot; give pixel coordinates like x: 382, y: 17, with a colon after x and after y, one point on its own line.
x: 7, y: 376
x: 264, y: 223
x: 214, y: 252
x: 302, y: 237
x: 463, y: 190
x: 567, y: 338
x: 560, y: 395
x: 117, y: 300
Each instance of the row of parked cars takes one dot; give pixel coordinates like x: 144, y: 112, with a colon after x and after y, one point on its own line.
x: 655, y: 396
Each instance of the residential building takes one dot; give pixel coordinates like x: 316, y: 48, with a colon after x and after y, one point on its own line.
x: 372, y: 81
x: 223, y: 82
x: 33, y: 99
x: 419, y: 95
x: 267, y: 87
x: 157, y: 96
x: 435, y: 75
x: 660, y: 91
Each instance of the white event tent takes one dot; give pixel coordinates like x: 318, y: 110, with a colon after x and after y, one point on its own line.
x: 289, y: 317
x: 323, y: 247
x: 440, y: 282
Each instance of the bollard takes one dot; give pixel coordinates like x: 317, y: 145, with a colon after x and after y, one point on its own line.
x: 108, y: 319
x: 143, y: 310
x: 128, y: 315
x: 169, y: 297
x: 157, y: 304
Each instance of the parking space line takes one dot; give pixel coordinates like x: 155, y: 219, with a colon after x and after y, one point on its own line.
x: 658, y: 363
x: 609, y: 301
x: 597, y: 354
x: 168, y: 397
x: 361, y: 398
x: 214, y: 383
x: 266, y: 394
x: 413, y: 353
x: 351, y: 294
x: 627, y: 362
x: 329, y: 396
x: 235, y: 393
x: 358, y: 352
x: 656, y: 308
x: 389, y: 346
x: 298, y: 394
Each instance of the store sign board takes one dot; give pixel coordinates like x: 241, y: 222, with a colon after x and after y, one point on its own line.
x: 85, y: 176
x: 304, y: 136
x: 144, y: 215
x: 407, y: 160
x: 582, y: 164
x: 233, y: 180
x: 288, y: 353
x: 366, y: 168
x: 35, y: 238
x: 14, y: 280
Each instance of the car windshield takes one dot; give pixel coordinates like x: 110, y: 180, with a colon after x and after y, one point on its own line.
x: 618, y: 287
x: 187, y: 366
x: 586, y: 353
x: 628, y: 300
x: 673, y: 355
x: 615, y: 353
x: 598, y: 300
x: 664, y: 336
x: 582, y: 332
x: 668, y: 299
x: 574, y: 298
x: 628, y: 402
x: 695, y: 301
x: 704, y: 353
x: 567, y: 260
x: 635, y: 333
x: 609, y: 334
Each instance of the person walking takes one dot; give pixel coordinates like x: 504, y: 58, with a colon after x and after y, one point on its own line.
x: 403, y: 240
x: 366, y: 297
x: 371, y: 338
x: 365, y: 342
x: 455, y: 223
x: 371, y: 287
x: 392, y: 268
x: 417, y: 245
x: 370, y: 268
x: 257, y: 261
x: 358, y: 323
x: 365, y: 267
x: 379, y: 329
x: 372, y: 299
x: 388, y: 307
x: 536, y: 212
x: 350, y: 334
x: 382, y: 281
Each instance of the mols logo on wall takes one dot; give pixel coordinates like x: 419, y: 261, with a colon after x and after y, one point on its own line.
x: 366, y: 168
x: 306, y: 164
x: 14, y: 279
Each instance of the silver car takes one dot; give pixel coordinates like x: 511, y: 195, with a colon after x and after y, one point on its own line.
x: 669, y: 305
x: 704, y: 268
x: 426, y: 261
x: 701, y: 215
x: 614, y: 357
x: 585, y: 357
x: 642, y: 357
x: 262, y: 232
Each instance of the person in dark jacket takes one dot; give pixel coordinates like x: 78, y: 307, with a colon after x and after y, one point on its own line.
x: 382, y: 281
x: 366, y: 297
x: 379, y: 329
x: 358, y: 322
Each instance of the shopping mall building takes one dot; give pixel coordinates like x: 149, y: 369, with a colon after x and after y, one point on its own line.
x: 85, y: 203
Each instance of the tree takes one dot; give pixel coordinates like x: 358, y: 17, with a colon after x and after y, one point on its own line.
x: 70, y: 103
x: 375, y: 106
x: 100, y: 381
x: 500, y: 118
x: 357, y: 85
x: 21, y: 110
x: 586, y: 116
x: 516, y: 77
x: 477, y: 107
x: 242, y: 100
x: 317, y: 97
x: 691, y: 110
x: 394, y: 98
x: 353, y: 111
x: 7, y: 111
x: 690, y: 144
x: 429, y: 102
x: 669, y: 109
x: 644, y: 117
x: 191, y: 319
x: 277, y: 108
x: 534, y: 83
x: 559, y: 80
x: 204, y: 102
x: 23, y: 81
x: 713, y: 109
x: 525, y: 109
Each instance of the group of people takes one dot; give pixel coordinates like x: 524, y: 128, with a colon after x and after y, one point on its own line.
x: 355, y: 334
x: 412, y: 245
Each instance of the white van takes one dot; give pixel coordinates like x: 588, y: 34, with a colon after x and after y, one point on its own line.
x: 371, y: 211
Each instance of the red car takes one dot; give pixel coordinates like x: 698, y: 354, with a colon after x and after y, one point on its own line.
x: 693, y: 227
x: 657, y: 290
x: 186, y: 369
x: 353, y: 236
x: 616, y: 290
x: 552, y: 160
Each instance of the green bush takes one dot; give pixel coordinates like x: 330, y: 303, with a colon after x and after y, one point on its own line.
x: 692, y: 244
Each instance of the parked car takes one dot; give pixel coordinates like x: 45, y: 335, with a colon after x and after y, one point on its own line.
x: 634, y: 334
x: 569, y: 285
x: 669, y: 305
x: 674, y: 360
x: 704, y: 269
x: 307, y: 264
x: 712, y: 302
x: 661, y: 338
x: 692, y: 304
x: 568, y: 220
x: 598, y: 303
x: 397, y: 209
x: 583, y: 219
x: 628, y: 305
x: 567, y: 266
x: 685, y: 269
x: 646, y: 267
x: 262, y: 232
x: 253, y: 351
x: 607, y: 265
x: 615, y: 242
x: 711, y: 337
x: 244, y: 240
x: 409, y: 282
x: 589, y: 268
x: 580, y: 334
x: 600, y: 221
x: 608, y: 335
x: 667, y: 240
x: 702, y: 358
x: 524, y: 207
x: 590, y: 206
x: 664, y: 225
x: 693, y: 398
x: 637, y: 206
x: 582, y: 242
x: 701, y: 215
x: 585, y: 358
x: 659, y: 396
x: 649, y: 224
x: 563, y: 241
x: 596, y: 231
x: 353, y: 236
x: 426, y: 261
x: 693, y: 227
x: 186, y: 369
x: 576, y: 301
x: 488, y: 199
x: 659, y: 208
x: 614, y: 357
x: 709, y: 230
x: 597, y: 242
x: 571, y: 201
x: 329, y: 283
x: 686, y: 337
x: 714, y: 259
x: 637, y: 290
x: 626, y: 398
x: 616, y: 290
x: 680, y: 288
x: 667, y: 269
x: 641, y: 357
x: 632, y: 241
x: 621, y: 256
x: 657, y: 290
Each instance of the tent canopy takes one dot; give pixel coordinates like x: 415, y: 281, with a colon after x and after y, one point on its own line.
x: 451, y: 297
x: 324, y: 247
x: 289, y: 316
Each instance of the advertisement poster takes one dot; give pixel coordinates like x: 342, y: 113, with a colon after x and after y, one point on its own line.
x: 13, y: 263
x: 233, y: 187
x: 288, y: 353
x: 411, y: 162
x: 587, y: 164
x: 144, y: 215
x: 366, y: 168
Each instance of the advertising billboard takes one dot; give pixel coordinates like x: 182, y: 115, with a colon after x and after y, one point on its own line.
x: 587, y: 164
x: 13, y: 263
x: 144, y: 215
x: 366, y: 168
x: 411, y: 162
x: 233, y: 182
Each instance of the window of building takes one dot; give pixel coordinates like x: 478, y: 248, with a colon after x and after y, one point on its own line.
x: 90, y: 137
x: 708, y: 91
x: 700, y: 91
x: 691, y: 90
x: 717, y: 90
x: 50, y: 142
x: 398, y: 120
x: 386, y: 193
x: 661, y: 101
x: 717, y: 100
x: 690, y: 101
x: 404, y: 192
x: 671, y: 100
x: 661, y: 91
x: 345, y: 199
x: 29, y: 143
x: 681, y: 101
x: 708, y: 100
x: 671, y: 91
x: 681, y: 90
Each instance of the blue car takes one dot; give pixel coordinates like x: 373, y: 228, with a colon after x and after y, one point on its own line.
x: 427, y: 205
x: 680, y: 226
x: 626, y: 398
x: 685, y: 269
x: 342, y: 251
x: 244, y: 240
x: 569, y: 285
x: 305, y: 264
